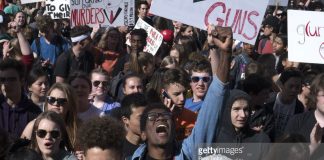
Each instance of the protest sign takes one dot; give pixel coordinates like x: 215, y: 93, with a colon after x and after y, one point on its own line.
x: 30, y: 1
x: 306, y: 36
x: 58, y: 9
x: 154, y: 37
x: 280, y: 3
x: 105, y: 12
x: 244, y: 16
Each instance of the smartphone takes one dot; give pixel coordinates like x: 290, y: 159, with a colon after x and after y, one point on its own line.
x: 165, y: 95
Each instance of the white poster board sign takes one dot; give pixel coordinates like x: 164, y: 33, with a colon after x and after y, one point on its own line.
x: 305, y: 36
x: 30, y: 1
x: 281, y: 2
x: 154, y: 37
x: 57, y: 9
x: 105, y: 12
x: 244, y: 16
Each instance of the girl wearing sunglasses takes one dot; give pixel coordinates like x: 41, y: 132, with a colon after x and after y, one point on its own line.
x: 62, y: 100
x: 50, y: 138
x: 99, y: 94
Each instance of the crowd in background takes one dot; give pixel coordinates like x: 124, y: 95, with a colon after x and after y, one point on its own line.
x: 83, y: 93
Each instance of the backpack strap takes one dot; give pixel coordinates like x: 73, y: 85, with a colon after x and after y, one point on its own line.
x: 37, y: 42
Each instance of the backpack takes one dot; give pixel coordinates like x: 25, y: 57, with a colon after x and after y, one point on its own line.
x: 116, y: 85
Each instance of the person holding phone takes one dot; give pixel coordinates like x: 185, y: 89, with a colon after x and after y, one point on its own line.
x: 175, y: 83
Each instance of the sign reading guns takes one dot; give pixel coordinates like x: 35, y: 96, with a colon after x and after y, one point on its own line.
x: 244, y: 16
x: 305, y: 36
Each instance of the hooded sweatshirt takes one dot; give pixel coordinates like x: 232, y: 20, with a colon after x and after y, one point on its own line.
x: 228, y: 134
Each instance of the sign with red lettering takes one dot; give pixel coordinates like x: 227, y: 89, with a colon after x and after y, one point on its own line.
x: 58, y: 9
x: 280, y: 2
x: 154, y: 37
x: 306, y: 36
x: 244, y: 16
x: 30, y: 1
x: 105, y: 12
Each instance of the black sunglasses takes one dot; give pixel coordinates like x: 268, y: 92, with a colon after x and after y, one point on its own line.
x: 153, y: 115
x: 196, y: 79
x: 97, y: 83
x: 59, y: 101
x: 41, y: 133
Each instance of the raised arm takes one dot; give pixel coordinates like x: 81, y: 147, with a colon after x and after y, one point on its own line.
x: 206, y: 125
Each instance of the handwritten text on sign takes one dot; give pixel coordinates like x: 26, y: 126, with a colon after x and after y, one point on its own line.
x: 105, y: 12
x: 58, y: 9
x: 306, y: 36
x: 154, y: 38
x: 244, y: 16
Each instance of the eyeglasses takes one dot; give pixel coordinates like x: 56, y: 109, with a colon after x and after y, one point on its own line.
x: 196, y: 79
x: 8, y: 79
x: 97, y: 83
x: 153, y: 115
x: 59, y: 101
x: 41, y: 133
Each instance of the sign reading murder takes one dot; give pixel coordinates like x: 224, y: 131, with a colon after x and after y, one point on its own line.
x: 105, y: 12
x: 30, y: 1
x: 306, y: 36
x: 58, y: 9
x: 244, y: 16
x: 154, y: 37
x: 280, y: 2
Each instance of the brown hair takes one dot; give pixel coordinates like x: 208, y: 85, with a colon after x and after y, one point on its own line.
x: 316, y: 86
x: 56, y: 118
x: 71, y: 120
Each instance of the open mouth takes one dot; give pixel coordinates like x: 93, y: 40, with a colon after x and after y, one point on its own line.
x: 162, y: 129
x: 48, y: 145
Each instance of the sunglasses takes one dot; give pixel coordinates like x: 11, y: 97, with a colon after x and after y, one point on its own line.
x: 97, y: 83
x: 8, y: 79
x: 153, y: 116
x: 59, y: 101
x: 41, y: 133
x: 196, y: 79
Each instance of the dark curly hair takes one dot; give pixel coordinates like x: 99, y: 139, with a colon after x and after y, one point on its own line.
x: 316, y: 86
x: 105, y: 133
x: 44, y: 22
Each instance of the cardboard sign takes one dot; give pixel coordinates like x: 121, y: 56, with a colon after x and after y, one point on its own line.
x: 281, y: 2
x: 30, y: 1
x: 154, y: 37
x: 305, y: 36
x: 244, y: 16
x: 58, y: 9
x: 105, y: 12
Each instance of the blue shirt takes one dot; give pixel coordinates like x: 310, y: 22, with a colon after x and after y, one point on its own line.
x: 52, y: 50
x: 193, y: 106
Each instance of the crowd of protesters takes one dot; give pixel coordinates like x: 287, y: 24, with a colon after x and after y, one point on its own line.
x: 83, y: 93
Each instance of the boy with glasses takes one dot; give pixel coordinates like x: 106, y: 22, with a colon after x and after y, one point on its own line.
x: 158, y: 126
x: 16, y: 110
x: 200, y: 79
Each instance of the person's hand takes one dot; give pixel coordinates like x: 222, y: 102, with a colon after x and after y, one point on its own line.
x: 46, y: 63
x: 222, y: 36
x: 315, y: 137
x: 14, y: 27
x: 168, y: 103
x: 123, y: 29
x: 6, y: 49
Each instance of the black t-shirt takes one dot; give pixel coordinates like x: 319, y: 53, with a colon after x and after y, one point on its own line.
x: 128, y: 149
x: 68, y: 63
